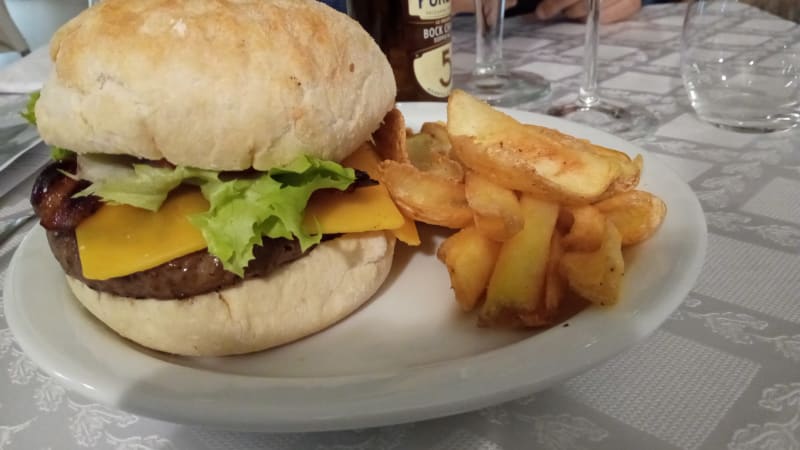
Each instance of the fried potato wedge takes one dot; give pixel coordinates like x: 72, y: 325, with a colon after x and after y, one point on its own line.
x: 428, y: 154
x: 497, y: 211
x: 555, y: 289
x: 426, y: 197
x: 565, y: 220
x: 437, y: 130
x: 495, y: 228
x: 636, y: 214
x: 390, y: 138
x: 528, y: 158
x: 517, y: 283
x: 422, y: 148
x: 630, y: 169
x: 554, y: 285
x: 470, y: 257
x: 587, y: 231
x: 597, y: 276
x: 448, y: 168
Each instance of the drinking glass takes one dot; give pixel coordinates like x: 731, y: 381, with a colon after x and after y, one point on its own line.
x: 740, y: 79
x: 624, y: 120
x: 491, y: 81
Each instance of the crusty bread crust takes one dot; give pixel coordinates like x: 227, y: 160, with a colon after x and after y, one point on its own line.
x: 214, y: 84
x: 299, y: 299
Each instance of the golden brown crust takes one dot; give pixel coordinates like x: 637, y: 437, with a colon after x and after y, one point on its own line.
x: 218, y: 84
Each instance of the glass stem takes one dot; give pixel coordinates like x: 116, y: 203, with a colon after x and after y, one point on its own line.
x: 587, y: 95
x: 489, y: 38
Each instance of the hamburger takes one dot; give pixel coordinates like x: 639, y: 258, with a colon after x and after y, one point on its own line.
x: 192, y: 138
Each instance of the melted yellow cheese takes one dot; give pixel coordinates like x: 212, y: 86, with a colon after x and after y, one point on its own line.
x: 408, y: 233
x: 366, y: 159
x: 365, y: 209
x: 119, y: 240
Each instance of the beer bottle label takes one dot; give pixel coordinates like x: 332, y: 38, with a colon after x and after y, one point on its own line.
x: 429, y: 30
x: 429, y: 9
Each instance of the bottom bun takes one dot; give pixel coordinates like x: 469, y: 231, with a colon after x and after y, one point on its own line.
x: 297, y: 300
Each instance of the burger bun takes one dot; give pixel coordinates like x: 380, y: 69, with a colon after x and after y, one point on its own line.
x: 214, y: 84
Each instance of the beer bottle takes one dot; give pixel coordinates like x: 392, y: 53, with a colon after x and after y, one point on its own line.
x: 415, y: 36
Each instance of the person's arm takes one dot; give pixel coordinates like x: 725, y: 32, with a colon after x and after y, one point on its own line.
x: 468, y: 6
x: 610, y: 10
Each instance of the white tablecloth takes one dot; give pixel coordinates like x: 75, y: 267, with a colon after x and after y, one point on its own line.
x: 722, y: 372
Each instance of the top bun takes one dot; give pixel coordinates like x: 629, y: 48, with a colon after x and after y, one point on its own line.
x: 214, y: 84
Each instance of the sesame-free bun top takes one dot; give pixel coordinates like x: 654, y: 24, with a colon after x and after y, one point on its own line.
x: 214, y: 84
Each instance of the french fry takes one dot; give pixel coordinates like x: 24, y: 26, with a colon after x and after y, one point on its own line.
x: 518, y: 281
x: 587, y: 231
x: 436, y: 129
x: 636, y: 214
x: 421, y: 148
x: 529, y: 158
x: 390, y: 138
x: 597, y: 276
x: 494, y: 228
x: 426, y: 197
x: 555, y: 286
x: 565, y: 220
x: 470, y: 257
x: 429, y: 155
x: 497, y: 211
x: 554, y: 289
x: 630, y: 169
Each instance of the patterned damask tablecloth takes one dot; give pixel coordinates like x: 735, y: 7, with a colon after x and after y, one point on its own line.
x: 722, y: 372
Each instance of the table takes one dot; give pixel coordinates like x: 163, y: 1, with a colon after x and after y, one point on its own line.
x: 722, y: 372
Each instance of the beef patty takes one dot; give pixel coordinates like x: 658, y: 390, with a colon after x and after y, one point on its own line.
x: 193, y: 274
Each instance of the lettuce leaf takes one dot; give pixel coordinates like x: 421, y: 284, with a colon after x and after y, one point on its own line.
x: 30, y: 110
x: 60, y: 154
x: 147, y: 187
x: 242, y: 211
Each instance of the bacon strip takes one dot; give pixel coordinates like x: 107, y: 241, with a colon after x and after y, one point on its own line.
x: 52, y: 197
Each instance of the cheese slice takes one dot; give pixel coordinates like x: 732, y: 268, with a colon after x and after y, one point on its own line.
x: 365, y: 209
x: 407, y: 232
x: 119, y: 239
x: 366, y: 159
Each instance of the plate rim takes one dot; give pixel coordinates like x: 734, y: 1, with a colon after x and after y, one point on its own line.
x: 369, y: 412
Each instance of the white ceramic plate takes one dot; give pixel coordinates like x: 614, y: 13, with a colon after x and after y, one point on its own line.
x: 407, y: 355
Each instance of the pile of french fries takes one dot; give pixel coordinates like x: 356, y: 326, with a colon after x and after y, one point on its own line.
x: 541, y: 216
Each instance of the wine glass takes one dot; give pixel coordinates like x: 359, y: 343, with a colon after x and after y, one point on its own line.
x: 624, y: 120
x: 491, y: 81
